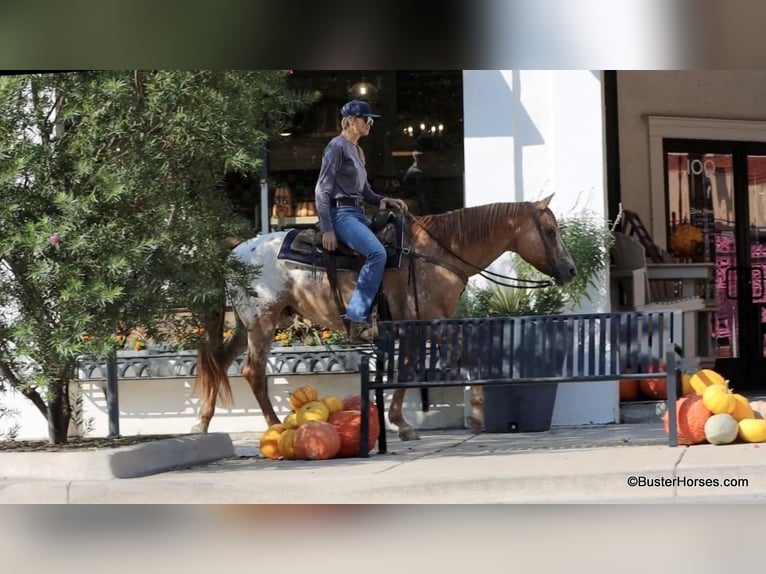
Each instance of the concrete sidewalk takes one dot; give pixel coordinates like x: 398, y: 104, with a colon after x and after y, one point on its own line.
x: 562, y: 465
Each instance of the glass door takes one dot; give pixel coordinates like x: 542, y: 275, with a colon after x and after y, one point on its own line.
x: 716, y: 193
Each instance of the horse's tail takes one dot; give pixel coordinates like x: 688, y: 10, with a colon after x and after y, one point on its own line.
x: 213, y: 358
x: 212, y: 380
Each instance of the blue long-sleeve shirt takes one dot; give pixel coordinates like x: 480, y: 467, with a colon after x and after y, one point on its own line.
x: 342, y: 175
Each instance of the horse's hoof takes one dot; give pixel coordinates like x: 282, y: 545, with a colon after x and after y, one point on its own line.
x: 199, y: 428
x: 475, y: 424
x: 408, y: 434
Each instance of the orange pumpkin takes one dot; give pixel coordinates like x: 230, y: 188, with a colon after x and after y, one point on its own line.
x: 317, y: 440
x: 353, y: 403
x: 628, y: 388
x: 691, y: 417
x: 283, y: 202
x: 655, y: 389
x: 349, y: 425
x: 269, y: 442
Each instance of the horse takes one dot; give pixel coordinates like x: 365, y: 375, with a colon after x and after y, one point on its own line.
x: 444, y: 251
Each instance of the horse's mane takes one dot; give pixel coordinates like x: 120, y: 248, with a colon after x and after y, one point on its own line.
x: 471, y: 223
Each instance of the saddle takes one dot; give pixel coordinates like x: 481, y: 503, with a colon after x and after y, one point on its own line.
x: 305, y: 245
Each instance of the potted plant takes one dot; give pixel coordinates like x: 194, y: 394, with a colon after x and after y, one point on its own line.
x: 517, y: 408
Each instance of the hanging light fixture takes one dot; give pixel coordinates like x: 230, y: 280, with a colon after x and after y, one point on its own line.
x: 426, y: 127
x: 364, y: 90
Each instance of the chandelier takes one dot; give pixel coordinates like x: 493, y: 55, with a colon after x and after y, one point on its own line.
x: 424, y: 128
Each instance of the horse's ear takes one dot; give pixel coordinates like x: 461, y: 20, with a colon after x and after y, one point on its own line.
x: 542, y: 205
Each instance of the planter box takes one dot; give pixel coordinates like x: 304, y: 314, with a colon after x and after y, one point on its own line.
x: 153, y: 364
x: 528, y: 407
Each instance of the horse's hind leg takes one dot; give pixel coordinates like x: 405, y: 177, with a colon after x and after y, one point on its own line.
x: 207, y: 408
x: 476, y: 419
x: 254, y: 371
x: 395, y: 417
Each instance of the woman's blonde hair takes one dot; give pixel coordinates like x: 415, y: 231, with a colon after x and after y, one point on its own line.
x: 345, y: 124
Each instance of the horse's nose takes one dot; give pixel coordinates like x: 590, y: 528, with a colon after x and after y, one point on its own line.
x: 571, y: 271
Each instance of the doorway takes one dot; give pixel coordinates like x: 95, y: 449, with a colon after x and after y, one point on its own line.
x: 716, y: 191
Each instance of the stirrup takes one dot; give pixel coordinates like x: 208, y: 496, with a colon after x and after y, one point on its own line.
x: 360, y: 333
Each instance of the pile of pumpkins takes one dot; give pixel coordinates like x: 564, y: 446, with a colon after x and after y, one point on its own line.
x: 653, y: 389
x: 709, y: 412
x: 319, y: 428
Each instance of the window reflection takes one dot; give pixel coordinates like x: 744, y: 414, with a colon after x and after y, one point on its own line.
x: 414, y: 151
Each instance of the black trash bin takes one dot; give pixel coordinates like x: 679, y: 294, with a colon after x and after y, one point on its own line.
x: 528, y: 407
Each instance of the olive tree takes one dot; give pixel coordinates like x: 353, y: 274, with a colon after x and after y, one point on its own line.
x: 113, y: 210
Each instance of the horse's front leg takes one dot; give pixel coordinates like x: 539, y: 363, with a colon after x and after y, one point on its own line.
x: 395, y: 417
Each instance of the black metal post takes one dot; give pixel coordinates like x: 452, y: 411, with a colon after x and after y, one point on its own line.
x: 112, y: 398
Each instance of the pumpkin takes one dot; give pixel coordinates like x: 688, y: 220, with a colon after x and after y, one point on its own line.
x: 628, y: 389
x: 742, y: 408
x: 317, y: 440
x: 349, y: 424
x: 719, y: 400
x: 352, y: 403
x: 283, y: 202
x: 691, y: 417
x: 685, y: 240
x: 333, y: 404
x: 313, y: 411
x: 302, y: 395
x: 759, y: 409
x: 752, y: 430
x: 721, y: 429
x: 291, y: 421
x: 269, y: 443
x: 287, y: 444
x: 704, y: 378
x: 686, y: 386
x: 656, y: 389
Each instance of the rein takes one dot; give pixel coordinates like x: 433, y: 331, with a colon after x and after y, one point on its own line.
x: 485, y: 273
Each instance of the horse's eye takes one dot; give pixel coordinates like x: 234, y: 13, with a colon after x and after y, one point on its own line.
x: 551, y: 233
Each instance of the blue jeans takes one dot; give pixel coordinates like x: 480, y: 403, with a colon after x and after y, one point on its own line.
x: 352, y: 228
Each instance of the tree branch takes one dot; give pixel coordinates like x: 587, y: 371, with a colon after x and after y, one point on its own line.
x: 31, y: 394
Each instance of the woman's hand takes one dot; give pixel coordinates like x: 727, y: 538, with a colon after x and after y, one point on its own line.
x: 394, y: 202
x: 329, y: 241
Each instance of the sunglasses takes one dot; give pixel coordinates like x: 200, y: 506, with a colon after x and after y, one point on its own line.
x: 369, y: 120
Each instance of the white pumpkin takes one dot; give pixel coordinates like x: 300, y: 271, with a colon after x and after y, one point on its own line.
x: 721, y: 429
x: 759, y: 407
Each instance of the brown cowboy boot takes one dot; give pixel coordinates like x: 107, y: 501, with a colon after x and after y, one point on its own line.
x: 361, y: 332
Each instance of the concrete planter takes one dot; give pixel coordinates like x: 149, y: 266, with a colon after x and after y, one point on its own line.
x: 528, y: 408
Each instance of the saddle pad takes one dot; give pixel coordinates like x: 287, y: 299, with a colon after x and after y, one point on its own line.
x: 305, y: 246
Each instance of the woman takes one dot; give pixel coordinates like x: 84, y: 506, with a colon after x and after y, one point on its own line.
x: 341, y: 192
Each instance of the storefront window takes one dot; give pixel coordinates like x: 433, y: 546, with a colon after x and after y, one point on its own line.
x: 414, y: 151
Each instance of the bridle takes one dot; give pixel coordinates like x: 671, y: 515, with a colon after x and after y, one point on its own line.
x: 490, y: 276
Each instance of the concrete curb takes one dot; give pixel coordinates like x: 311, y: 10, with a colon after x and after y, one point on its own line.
x: 388, y: 486
x: 122, y: 462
